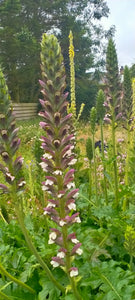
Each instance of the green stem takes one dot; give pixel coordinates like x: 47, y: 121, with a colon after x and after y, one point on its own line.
x: 90, y: 180
x: 1, y: 215
x: 103, y: 160
x: 131, y: 263
x: 68, y: 265
x: 114, y: 162
x: 35, y: 252
x: 74, y: 288
x: 111, y: 286
x: 29, y: 242
x: 65, y: 242
x: 4, y: 296
x: 25, y: 286
x: 95, y: 172
x: 126, y: 200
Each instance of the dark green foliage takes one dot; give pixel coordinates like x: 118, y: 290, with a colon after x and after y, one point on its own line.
x: 132, y: 71
x: 86, y: 91
x: 22, y: 23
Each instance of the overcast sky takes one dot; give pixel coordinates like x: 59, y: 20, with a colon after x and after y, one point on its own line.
x: 122, y: 15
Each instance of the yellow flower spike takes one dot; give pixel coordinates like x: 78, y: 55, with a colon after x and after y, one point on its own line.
x: 71, y: 46
x: 72, y: 107
x: 80, y: 112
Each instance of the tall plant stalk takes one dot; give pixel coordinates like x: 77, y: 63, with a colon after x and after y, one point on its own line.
x: 100, y: 116
x: 58, y: 160
x: 72, y: 107
x: 103, y: 160
x: 113, y: 104
x: 93, y: 117
x: 128, y: 120
x: 17, y: 281
x: 114, y: 159
x: 89, y: 152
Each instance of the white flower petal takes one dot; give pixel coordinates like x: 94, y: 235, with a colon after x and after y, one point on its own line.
x: 44, y: 188
x: 52, y: 235
x: 67, y: 153
x: 75, y: 241
x: 62, y: 223
x: 43, y: 166
x: 51, y: 242
x: 55, y: 264
x: 46, y: 155
x: 49, y: 182
x: 72, y: 206
x: 61, y: 254
x: 70, y: 185
x: 75, y: 195
x: 10, y: 176
x: 73, y: 273
x: 72, y: 162
x: 57, y: 172
x: 60, y: 195
x: 22, y: 183
x: 51, y: 204
x: 77, y: 220
x: 79, y: 251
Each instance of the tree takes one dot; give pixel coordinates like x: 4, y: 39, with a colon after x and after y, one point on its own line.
x: 22, y: 23
x: 132, y: 71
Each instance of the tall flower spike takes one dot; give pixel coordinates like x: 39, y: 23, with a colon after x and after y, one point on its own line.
x: 59, y: 156
x: 72, y: 75
x: 114, y: 103
x: 9, y: 142
x: 93, y: 118
x: 72, y: 107
x: 100, y: 116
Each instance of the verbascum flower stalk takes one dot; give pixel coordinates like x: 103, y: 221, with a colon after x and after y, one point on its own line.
x: 72, y: 107
x: 58, y: 160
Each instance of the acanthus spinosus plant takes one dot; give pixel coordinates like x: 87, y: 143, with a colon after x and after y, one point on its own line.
x: 58, y: 160
x: 9, y: 143
x: 113, y: 103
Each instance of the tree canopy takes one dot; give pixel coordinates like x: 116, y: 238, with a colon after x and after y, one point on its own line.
x: 22, y: 23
